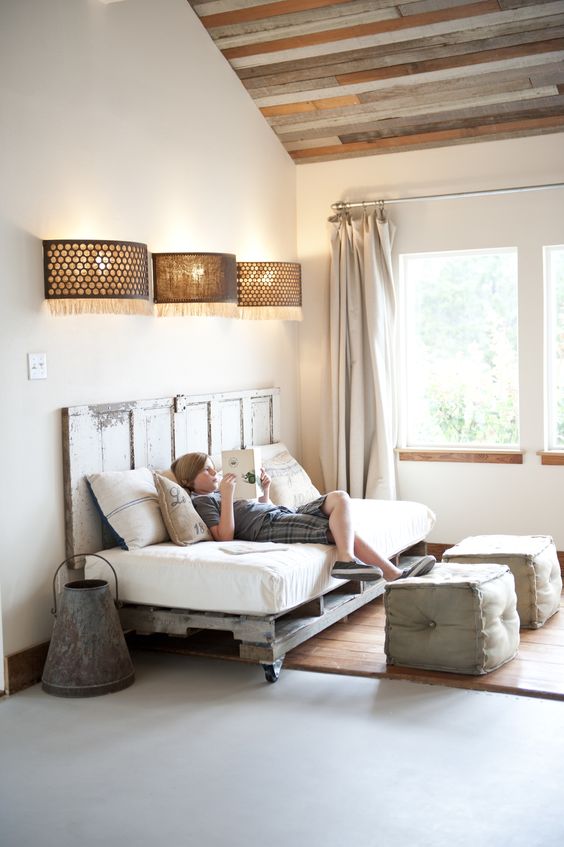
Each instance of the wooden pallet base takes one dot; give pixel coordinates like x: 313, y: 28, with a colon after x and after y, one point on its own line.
x: 263, y: 639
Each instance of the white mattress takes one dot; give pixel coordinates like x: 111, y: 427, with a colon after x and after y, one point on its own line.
x: 204, y: 577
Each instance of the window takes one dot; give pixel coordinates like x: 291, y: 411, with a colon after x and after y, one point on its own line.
x: 554, y: 283
x: 459, y: 340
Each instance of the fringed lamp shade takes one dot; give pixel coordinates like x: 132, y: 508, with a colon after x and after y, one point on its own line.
x: 195, y: 284
x: 269, y: 290
x: 96, y: 276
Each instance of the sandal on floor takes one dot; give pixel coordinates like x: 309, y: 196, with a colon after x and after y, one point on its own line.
x: 420, y: 568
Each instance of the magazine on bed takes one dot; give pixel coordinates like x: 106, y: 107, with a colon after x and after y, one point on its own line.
x: 245, y: 464
x: 239, y: 548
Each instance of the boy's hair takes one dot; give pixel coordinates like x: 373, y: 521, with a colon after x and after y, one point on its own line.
x: 187, y: 467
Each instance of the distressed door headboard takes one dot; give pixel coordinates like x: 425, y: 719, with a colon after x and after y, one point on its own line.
x: 152, y: 433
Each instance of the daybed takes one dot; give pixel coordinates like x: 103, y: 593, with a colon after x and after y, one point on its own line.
x: 271, y: 597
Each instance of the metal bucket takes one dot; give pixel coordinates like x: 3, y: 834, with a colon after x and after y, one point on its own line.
x: 87, y: 655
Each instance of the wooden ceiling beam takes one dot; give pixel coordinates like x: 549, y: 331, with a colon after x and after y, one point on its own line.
x: 316, y: 105
x: 371, y: 115
x: 265, y: 11
x: 381, y: 60
x: 343, y: 114
x: 411, y: 69
x: 480, y: 57
x: 474, y: 115
x: 483, y: 132
x: 419, y: 83
x: 462, y: 30
x: 515, y: 84
x: 339, y: 62
x: 330, y: 15
x: 452, y: 118
x: 377, y: 28
x: 518, y: 4
x: 548, y: 74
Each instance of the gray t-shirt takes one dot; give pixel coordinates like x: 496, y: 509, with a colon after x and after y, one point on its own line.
x: 248, y: 515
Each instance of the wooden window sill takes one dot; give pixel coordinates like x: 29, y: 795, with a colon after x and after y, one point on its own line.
x: 492, y: 457
x: 551, y: 457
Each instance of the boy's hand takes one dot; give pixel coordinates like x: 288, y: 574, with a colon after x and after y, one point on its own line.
x: 227, y: 485
x: 265, y: 485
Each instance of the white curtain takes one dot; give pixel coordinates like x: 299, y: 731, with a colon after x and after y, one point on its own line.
x: 360, y: 418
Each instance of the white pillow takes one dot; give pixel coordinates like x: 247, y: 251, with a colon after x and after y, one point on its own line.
x: 291, y: 486
x: 128, y: 501
x: 182, y: 521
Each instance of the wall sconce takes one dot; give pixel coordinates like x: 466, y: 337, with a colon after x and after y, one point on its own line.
x: 269, y: 290
x: 202, y: 284
x: 86, y: 275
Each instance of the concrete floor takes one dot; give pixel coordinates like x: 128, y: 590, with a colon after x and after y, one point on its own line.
x: 206, y: 753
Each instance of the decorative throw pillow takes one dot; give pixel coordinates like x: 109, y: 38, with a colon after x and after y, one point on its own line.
x: 129, y: 503
x: 291, y: 486
x: 182, y: 521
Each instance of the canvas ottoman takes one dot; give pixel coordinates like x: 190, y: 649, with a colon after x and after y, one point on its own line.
x: 535, y: 566
x: 459, y: 618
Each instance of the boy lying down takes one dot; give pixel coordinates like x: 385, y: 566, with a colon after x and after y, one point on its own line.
x: 326, y: 520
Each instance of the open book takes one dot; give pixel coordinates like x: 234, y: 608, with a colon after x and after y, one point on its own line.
x: 245, y: 464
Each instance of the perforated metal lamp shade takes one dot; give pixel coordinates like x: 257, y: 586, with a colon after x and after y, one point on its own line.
x: 195, y: 284
x: 96, y: 275
x: 269, y: 290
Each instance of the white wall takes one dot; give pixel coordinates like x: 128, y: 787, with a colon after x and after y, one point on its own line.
x: 468, y: 499
x: 120, y: 121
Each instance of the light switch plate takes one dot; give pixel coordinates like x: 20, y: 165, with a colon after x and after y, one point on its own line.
x: 37, y: 365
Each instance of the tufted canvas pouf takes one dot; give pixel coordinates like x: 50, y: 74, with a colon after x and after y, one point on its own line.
x: 458, y: 618
x: 533, y: 562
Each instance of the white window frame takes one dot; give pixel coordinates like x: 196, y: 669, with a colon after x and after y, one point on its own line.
x: 551, y: 400
x: 403, y: 357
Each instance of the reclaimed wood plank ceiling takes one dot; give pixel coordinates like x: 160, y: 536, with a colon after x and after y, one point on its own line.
x: 342, y: 78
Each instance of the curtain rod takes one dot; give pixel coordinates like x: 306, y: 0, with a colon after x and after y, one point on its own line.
x: 341, y: 206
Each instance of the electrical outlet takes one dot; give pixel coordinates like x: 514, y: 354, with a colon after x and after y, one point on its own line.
x: 37, y: 365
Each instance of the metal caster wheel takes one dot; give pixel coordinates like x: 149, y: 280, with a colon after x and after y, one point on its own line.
x: 272, y: 672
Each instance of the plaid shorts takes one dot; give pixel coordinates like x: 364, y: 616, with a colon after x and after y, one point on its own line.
x: 307, y: 524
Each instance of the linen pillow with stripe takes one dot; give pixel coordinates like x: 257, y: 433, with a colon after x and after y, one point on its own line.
x: 128, y: 501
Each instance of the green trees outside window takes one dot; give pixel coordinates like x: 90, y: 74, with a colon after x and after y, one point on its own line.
x: 460, y: 343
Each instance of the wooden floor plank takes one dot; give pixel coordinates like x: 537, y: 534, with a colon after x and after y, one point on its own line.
x: 355, y: 647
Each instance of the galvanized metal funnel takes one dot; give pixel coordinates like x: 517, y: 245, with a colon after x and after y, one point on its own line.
x: 87, y: 655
